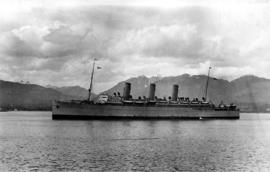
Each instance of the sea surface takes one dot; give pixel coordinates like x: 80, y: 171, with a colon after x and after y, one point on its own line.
x: 32, y: 141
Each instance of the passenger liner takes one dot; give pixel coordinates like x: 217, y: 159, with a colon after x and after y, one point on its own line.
x: 119, y: 106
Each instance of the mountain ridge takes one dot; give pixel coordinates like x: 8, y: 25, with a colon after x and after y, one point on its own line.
x: 21, y: 96
x: 76, y: 91
x: 249, y: 92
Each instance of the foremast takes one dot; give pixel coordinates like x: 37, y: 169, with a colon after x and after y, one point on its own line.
x: 207, y: 82
x: 91, y: 81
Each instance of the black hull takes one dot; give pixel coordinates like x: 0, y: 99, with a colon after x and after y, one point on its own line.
x: 82, y: 117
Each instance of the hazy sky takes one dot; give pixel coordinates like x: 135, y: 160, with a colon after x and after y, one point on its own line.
x: 54, y: 42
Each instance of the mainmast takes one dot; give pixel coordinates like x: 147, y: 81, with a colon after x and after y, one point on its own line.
x: 91, y: 82
x: 206, y: 87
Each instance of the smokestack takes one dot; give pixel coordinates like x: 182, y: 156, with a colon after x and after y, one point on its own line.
x: 126, y: 93
x: 152, y: 91
x: 175, y: 92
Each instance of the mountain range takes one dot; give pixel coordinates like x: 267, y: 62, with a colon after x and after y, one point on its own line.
x: 24, y: 96
x: 250, y: 92
x: 74, y: 91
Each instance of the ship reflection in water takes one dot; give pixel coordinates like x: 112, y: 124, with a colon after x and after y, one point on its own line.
x: 32, y: 141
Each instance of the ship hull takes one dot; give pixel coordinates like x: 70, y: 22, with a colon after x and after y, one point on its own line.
x: 71, y: 110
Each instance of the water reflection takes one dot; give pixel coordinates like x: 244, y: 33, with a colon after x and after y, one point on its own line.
x: 32, y: 141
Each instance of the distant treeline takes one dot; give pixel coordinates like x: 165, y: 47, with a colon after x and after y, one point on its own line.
x: 41, y: 107
x: 253, y: 107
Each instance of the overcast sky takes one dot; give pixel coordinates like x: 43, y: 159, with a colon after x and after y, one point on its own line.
x: 54, y: 42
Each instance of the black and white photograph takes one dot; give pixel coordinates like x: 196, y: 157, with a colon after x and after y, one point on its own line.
x: 134, y: 85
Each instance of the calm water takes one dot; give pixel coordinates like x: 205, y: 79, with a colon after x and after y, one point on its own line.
x: 32, y: 141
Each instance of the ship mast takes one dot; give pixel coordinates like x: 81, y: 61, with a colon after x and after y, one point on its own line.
x: 207, y: 82
x: 91, y: 82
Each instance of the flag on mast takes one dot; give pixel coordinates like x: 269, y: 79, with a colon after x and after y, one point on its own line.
x: 98, y: 67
